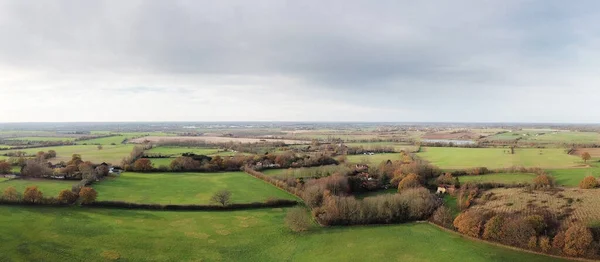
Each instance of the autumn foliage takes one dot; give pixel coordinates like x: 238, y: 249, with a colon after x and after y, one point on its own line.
x: 88, y: 195
x: 32, y: 195
x: 410, y: 181
x: 4, y: 167
x: 588, y: 182
x: 10, y: 194
x: 67, y: 196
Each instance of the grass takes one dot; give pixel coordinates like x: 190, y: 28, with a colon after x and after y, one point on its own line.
x: 78, y: 234
x: 572, y: 177
x: 118, y: 139
x: 109, y: 154
x: 452, y: 203
x: 157, y: 162
x: 458, y: 158
x: 186, y: 188
x: 374, y: 159
x: 50, y: 188
x: 177, y: 151
x: 397, y: 146
x: 505, y: 178
x: 41, y: 138
x: 376, y: 193
x: 548, y: 136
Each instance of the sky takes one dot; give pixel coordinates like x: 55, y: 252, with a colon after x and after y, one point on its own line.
x: 309, y: 60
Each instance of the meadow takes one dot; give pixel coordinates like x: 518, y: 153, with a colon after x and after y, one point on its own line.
x: 548, y: 136
x: 118, y: 138
x: 186, y: 188
x: 504, y: 178
x: 109, y: 153
x: 459, y: 158
x: 375, y: 159
x: 68, y: 234
x: 41, y: 138
x: 50, y: 188
x: 397, y: 146
x: 571, y: 177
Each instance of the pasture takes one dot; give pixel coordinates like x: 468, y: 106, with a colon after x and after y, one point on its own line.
x: 178, y: 151
x: 573, y: 203
x: 317, y: 171
x: 459, y: 158
x: 397, y: 146
x: 186, y: 188
x: 43, y: 138
x: 158, y: 162
x: 120, y: 137
x: 50, y: 188
x: 545, y: 136
x: 504, y: 178
x: 375, y: 159
x: 214, y: 139
x: 572, y: 176
x: 110, y: 154
x: 52, y: 234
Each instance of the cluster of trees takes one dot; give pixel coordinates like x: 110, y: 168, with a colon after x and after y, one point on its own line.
x: 5, y: 167
x: 74, y: 169
x: 24, y: 144
x: 589, y: 182
x: 375, y: 149
x: 39, y: 155
x: 539, y: 231
x: 484, y: 170
x: 136, y: 153
x: 33, y: 195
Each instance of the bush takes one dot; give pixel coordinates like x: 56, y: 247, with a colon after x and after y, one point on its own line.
x: 493, y: 228
x: 545, y: 245
x: 11, y: 194
x: 469, y: 223
x: 543, y: 181
x: 67, y: 196
x: 33, y: 195
x: 443, y: 217
x: 588, y: 182
x: 410, y: 181
x: 297, y: 219
x: 88, y: 195
x: 558, y: 242
x: 222, y: 197
x: 578, y: 240
x: 313, y: 196
x: 517, y: 232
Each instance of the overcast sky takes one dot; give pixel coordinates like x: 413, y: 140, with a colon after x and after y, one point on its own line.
x: 309, y: 60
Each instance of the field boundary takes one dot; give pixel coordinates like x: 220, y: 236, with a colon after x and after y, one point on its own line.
x: 506, y: 246
x: 278, y: 203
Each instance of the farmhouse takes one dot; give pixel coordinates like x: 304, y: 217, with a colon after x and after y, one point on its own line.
x: 442, y: 189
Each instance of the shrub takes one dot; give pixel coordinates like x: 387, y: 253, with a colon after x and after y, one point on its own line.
x: 532, y: 243
x: 493, y: 228
x: 410, y: 181
x: 447, y: 179
x: 588, y: 182
x: 578, y: 240
x: 10, y: 194
x: 313, y: 196
x: 558, y: 242
x: 33, y: 195
x: 545, y: 243
x: 420, y: 202
x: 543, y: 181
x: 517, y: 232
x: 88, y: 195
x: 4, y: 167
x: 67, y: 196
x: 297, y: 219
x: 35, y: 168
x: 443, y: 217
x: 469, y: 223
x: 142, y: 165
x: 222, y: 197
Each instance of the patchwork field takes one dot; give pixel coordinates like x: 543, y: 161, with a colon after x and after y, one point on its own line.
x: 50, y: 188
x: 109, y: 153
x: 571, y: 177
x: 118, y: 139
x: 177, y: 151
x: 505, y: 178
x: 215, y: 139
x: 458, y: 158
x: 397, y: 146
x: 576, y: 204
x: 594, y: 152
x: 40, y: 138
x: 52, y: 234
x: 374, y: 159
x: 186, y: 188
x: 548, y: 136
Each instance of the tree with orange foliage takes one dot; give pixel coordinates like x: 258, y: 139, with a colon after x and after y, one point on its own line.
x: 10, y: 194
x: 88, y: 195
x: 469, y: 223
x: 543, y: 181
x: 4, y: 167
x: 410, y: 181
x: 67, y: 196
x: 588, y: 182
x: 33, y: 195
x: 142, y: 164
x: 586, y: 156
x: 578, y: 240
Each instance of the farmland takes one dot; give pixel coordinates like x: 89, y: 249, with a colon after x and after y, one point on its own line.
x: 458, y: 158
x: 504, y: 178
x: 397, y: 146
x: 41, y: 138
x: 33, y: 234
x: 186, y: 188
x: 177, y: 151
x: 548, y: 136
x: 373, y: 159
x: 571, y: 177
x: 50, y: 188
x: 214, y: 139
x: 109, y: 153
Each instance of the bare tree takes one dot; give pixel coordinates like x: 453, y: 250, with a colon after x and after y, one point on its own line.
x: 221, y: 197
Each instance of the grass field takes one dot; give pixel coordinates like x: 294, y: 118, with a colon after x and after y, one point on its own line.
x: 186, y: 188
x: 50, y: 188
x: 157, y: 162
x: 505, y: 178
x: 457, y: 158
x: 397, y: 146
x: 67, y: 234
x: 571, y: 177
x: 118, y: 139
x: 177, y: 151
x: 40, y: 138
x: 374, y: 159
x: 548, y: 136
x: 109, y: 154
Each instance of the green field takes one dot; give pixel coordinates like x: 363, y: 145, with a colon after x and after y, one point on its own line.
x: 572, y: 177
x: 78, y: 234
x: 157, y: 162
x: 50, y: 188
x: 109, y: 154
x: 505, y: 178
x: 397, y: 146
x: 177, y: 151
x: 458, y: 158
x: 186, y: 188
x: 40, y: 138
x: 548, y: 136
x: 118, y: 139
x: 374, y: 159
x: 304, y: 171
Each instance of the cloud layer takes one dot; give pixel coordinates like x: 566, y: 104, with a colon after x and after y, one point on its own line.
x: 484, y: 61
